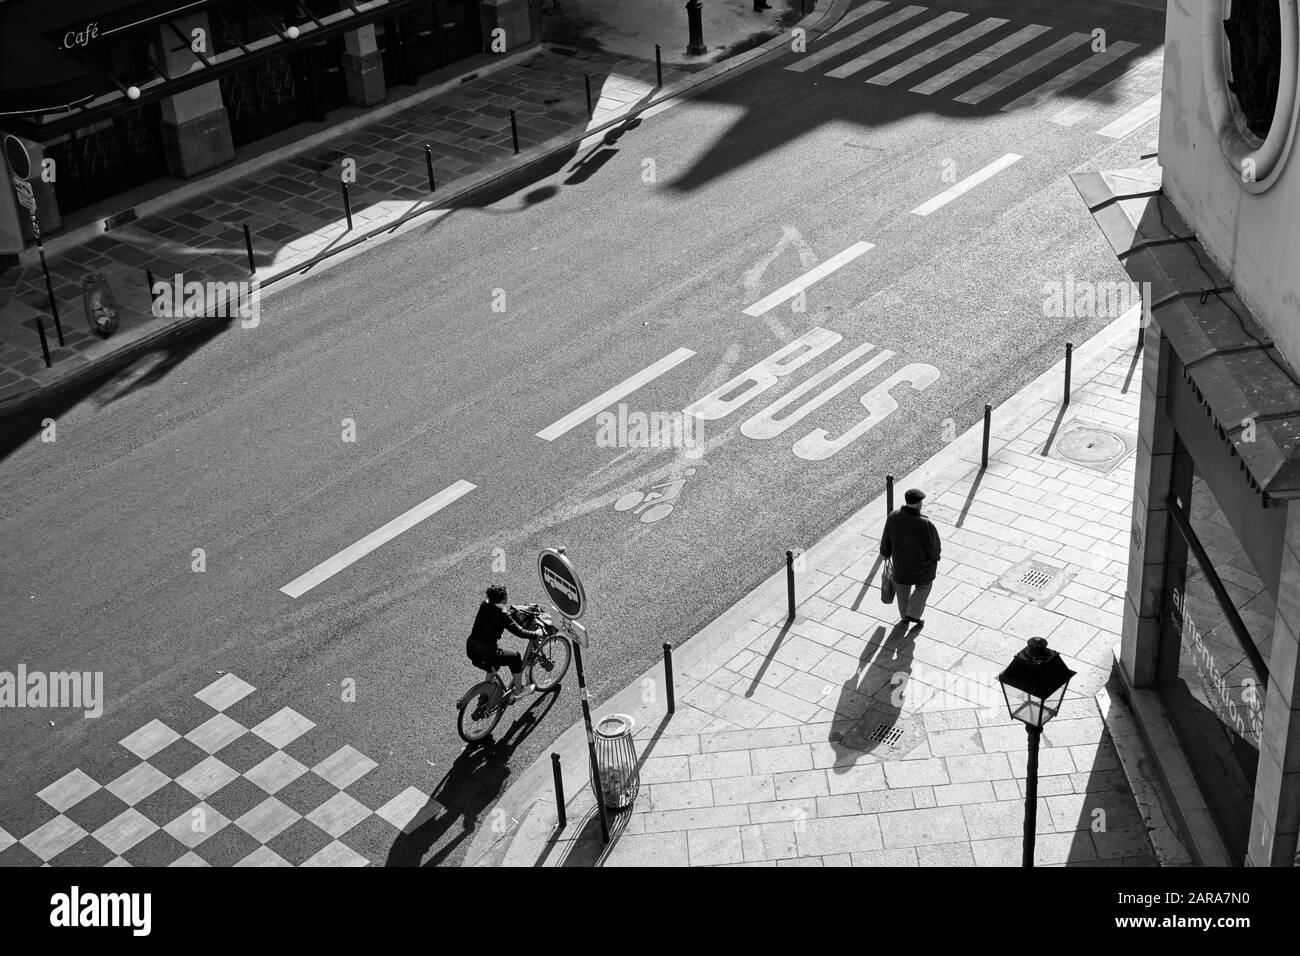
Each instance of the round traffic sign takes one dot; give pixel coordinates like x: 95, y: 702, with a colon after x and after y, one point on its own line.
x: 20, y: 162
x: 561, y: 582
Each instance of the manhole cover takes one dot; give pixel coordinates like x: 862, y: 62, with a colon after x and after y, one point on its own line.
x: 1091, y: 446
x: 1034, y: 580
x: 1087, y: 446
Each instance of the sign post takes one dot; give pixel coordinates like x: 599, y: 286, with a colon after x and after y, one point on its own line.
x: 20, y: 165
x: 561, y: 583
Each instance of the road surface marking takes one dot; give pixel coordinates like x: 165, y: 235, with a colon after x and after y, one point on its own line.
x: 607, y: 398
x: 791, y: 289
x: 893, y: 46
x: 1062, y: 81
x: 1134, y: 118
x: 967, y: 184
x: 982, y: 58
x: 856, y: 15
x: 926, y: 57
x: 849, y: 42
x: 1112, y: 91
x: 353, y: 553
x: 1024, y: 68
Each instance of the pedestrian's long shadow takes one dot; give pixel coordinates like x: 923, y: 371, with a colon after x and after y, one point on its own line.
x: 872, y: 697
x: 476, y: 778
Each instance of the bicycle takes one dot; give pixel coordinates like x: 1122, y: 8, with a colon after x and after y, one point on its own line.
x: 545, y: 662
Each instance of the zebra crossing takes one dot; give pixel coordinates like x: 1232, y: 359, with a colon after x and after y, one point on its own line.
x: 867, y: 43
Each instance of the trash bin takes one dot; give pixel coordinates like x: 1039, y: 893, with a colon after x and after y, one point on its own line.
x: 616, y: 762
x: 101, y: 306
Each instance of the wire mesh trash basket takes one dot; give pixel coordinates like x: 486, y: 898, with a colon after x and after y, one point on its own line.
x: 100, y: 304
x: 616, y: 762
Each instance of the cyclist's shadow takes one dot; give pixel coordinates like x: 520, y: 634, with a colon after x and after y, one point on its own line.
x: 475, y: 779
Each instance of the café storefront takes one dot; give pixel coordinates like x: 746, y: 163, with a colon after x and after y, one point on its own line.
x: 118, y: 93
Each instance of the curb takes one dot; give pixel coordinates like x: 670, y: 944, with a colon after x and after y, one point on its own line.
x: 720, y: 640
x: 659, y: 100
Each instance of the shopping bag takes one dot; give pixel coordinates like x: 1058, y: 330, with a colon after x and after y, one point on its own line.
x: 887, y: 583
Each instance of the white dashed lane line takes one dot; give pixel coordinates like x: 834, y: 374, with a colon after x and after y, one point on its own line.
x: 350, y: 555
x: 607, y: 398
x: 791, y: 289
x: 967, y: 184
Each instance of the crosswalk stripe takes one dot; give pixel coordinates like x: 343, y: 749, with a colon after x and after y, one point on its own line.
x: 1112, y: 91
x: 1131, y: 120
x: 1024, y: 68
x: 610, y: 396
x: 926, y: 57
x: 967, y: 184
x: 353, y: 553
x: 980, y: 59
x: 859, y: 64
x: 849, y: 42
x: 793, y: 288
x: 1063, y: 81
x: 853, y: 16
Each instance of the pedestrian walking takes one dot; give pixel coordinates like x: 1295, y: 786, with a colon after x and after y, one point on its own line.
x: 911, y: 542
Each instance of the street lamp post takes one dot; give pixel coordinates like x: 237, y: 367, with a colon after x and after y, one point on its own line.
x: 695, y: 44
x: 1034, y: 685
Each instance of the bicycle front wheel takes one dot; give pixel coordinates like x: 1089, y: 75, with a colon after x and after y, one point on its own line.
x: 480, y: 713
x: 551, y: 663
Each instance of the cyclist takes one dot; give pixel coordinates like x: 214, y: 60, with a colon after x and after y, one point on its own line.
x: 495, y: 615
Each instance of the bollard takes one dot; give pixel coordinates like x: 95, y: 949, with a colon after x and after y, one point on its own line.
x: 659, y: 67
x: 559, y: 791
x: 514, y: 131
x: 248, y: 244
x: 586, y: 79
x: 988, y: 417
x: 889, y: 495
x: 347, y: 205
x: 45, y: 345
x: 1069, y: 355
x: 789, y: 580
x: 428, y: 163
x: 668, y: 675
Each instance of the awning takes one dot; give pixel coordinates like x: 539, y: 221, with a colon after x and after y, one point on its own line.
x: 1230, y: 360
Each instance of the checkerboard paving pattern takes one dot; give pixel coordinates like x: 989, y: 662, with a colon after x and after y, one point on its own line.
x: 113, y: 825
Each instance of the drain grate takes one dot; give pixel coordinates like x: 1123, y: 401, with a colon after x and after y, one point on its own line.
x: 1037, y: 578
x: 884, y: 733
x: 1035, y: 581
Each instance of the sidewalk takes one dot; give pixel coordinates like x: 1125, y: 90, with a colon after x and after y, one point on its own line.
x: 294, y: 207
x: 841, y: 739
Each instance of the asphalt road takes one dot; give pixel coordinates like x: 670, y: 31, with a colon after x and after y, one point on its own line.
x: 601, y: 267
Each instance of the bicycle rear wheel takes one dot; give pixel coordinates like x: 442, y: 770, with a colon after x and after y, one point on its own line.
x: 551, y: 663
x: 481, y: 712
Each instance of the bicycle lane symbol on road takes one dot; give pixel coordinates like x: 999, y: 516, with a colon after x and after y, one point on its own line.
x: 657, y: 502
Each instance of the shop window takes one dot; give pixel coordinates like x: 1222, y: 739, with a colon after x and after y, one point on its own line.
x: 1218, y: 625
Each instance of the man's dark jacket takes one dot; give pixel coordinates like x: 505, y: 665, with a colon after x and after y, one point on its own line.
x: 911, y: 540
x: 488, y: 625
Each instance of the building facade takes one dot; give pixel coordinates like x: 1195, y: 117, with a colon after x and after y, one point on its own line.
x: 121, y: 92
x: 1210, y: 642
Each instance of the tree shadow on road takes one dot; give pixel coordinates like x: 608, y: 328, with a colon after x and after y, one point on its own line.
x: 476, y: 778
